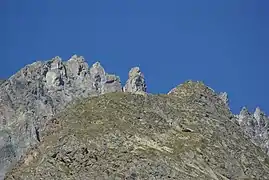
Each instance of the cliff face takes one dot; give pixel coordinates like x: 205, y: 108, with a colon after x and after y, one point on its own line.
x: 188, y: 134
x: 256, y: 126
x: 38, y: 92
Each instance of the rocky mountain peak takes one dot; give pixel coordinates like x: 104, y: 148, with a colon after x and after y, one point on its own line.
x: 191, y: 87
x: 31, y: 98
x: 256, y: 126
x: 201, y: 91
x: 97, y: 65
x: 39, y: 91
x: 76, y: 67
x: 244, y: 113
x: 258, y: 114
x: 76, y: 57
x: 224, y: 97
x: 55, y: 63
x: 135, y: 71
x: 97, y: 70
x: 196, y: 92
x: 136, y: 81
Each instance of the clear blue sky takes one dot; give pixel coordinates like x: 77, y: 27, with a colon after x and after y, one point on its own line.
x: 224, y: 43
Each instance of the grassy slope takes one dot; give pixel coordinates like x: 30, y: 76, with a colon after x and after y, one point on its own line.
x: 185, y: 135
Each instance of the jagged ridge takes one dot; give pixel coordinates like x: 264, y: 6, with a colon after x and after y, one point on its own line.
x: 37, y: 92
x: 256, y: 126
x: 42, y: 89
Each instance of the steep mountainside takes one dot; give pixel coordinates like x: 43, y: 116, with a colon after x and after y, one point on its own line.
x: 78, y: 120
x: 256, y: 126
x: 40, y: 90
x: 188, y: 134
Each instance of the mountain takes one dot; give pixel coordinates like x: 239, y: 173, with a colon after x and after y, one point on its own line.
x: 40, y: 90
x: 188, y: 134
x: 256, y: 126
x: 66, y: 120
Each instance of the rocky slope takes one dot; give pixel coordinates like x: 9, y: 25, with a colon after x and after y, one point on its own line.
x: 188, y: 134
x: 43, y: 108
x: 1, y: 81
x: 256, y: 126
x: 42, y: 89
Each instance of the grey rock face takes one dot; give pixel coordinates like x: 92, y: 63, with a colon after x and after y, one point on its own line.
x: 36, y: 93
x: 224, y: 97
x: 256, y: 126
x: 1, y: 81
x: 102, y: 82
x: 136, y: 82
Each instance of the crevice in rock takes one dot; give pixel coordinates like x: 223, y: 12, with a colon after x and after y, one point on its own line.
x: 37, y: 134
x: 187, y: 130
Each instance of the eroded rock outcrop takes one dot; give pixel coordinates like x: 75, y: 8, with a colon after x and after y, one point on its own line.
x: 36, y: 93
x: 136, y: 81
x: 102, y: 82
x: 224, y: 97
x: 256, y: 126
